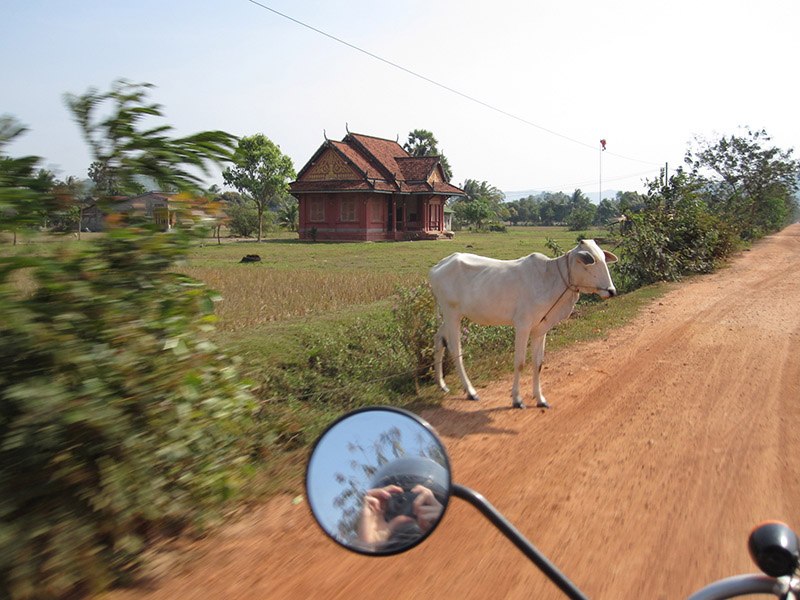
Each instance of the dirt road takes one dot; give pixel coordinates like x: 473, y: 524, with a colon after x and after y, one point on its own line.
x: 666, y: 443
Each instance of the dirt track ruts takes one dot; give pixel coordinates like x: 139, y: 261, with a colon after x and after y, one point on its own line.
x: 667, y: 441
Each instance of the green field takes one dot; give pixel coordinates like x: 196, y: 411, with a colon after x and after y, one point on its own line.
x: 298, y: 279
x: 320, y: 328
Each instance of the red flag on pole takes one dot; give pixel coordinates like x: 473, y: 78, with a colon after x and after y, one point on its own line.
x: 603, y: 144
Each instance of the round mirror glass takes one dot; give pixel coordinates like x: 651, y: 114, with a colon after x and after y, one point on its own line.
x: 378, y: 480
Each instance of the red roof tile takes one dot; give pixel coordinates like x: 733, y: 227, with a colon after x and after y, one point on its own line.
x: 383, y: 165
x: 417, y: 168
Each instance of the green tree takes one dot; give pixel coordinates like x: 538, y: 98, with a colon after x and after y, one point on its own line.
x: 607, y: 210
x: 674, y: 234
x: 487, y: 200
x: 231, y: 198
x: 422, y: 142
x: 553, y: 208
x: 482, y: 190
x: 581, y: 211
x: 528, y: 210
x: 629, y: 202
x: 477, y: 212
x: 748, y: 181
x: 261, y: 171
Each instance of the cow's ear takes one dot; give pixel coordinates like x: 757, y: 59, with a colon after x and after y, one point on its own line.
x: 610, y: 258
x: 585, y: 257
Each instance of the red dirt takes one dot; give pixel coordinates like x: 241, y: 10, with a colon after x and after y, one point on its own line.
x: 666, y: 443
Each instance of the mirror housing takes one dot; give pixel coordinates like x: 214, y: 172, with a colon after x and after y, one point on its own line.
x: 378, y: 481
x: 774, y: 547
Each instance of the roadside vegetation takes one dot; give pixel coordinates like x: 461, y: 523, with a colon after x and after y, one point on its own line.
x: 149, y: 381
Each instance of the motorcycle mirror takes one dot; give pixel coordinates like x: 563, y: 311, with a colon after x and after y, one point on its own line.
x: 774, y: 548
x: 378, y: 481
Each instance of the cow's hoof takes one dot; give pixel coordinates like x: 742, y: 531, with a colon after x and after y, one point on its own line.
x: 473, y: 397
x: 542, y: 404
x: 518, y: 405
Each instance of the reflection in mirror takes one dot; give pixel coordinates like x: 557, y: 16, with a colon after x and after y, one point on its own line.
x: 378, y: 480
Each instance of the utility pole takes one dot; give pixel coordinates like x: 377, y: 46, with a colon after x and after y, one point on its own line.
x: 600, y: 195
x: 602, y: 147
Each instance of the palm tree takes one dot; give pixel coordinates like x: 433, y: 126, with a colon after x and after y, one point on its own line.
x: 289, y: 215
x: 482, y: 189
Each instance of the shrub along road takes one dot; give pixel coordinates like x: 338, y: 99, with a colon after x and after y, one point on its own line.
x: 666, y: 443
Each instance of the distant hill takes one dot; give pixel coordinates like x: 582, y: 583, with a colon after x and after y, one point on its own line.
x: 593, y: 196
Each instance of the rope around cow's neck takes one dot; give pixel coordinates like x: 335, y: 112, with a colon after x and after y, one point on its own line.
x: 567, y: 283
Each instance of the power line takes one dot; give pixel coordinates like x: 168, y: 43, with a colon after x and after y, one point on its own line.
x: 441, y: 85
x: 605, y: 180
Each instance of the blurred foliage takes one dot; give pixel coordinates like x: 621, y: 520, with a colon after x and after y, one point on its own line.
x: 118, y: 417
x: 119, y: 420
x: 23, y: 185
x: 124, y: 151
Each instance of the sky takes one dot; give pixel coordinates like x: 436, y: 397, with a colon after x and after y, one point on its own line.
x: 518, y: 94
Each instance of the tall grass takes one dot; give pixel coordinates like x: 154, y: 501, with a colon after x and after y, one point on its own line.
x: 252, y: 297
x: 301, y: 279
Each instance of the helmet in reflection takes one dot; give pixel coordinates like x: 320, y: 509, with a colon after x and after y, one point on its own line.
x: 410, y: 471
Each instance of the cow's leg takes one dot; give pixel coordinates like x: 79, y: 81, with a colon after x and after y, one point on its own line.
x: 439, y: 346
x: 537, y: 350
x: 521, y: 334
x: 452, y: 335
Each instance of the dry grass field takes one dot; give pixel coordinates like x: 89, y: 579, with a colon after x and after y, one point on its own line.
x: 301, y: 279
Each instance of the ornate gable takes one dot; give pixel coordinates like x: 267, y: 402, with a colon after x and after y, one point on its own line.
x: 436, y: 176
x: 330, y: 166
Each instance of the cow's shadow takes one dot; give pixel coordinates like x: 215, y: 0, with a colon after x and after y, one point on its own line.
x: 457, y: 424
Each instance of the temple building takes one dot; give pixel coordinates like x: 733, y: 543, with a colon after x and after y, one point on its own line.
x: 368, y: 188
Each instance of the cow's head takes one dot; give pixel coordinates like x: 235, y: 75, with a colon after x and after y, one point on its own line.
x: 589, y: 272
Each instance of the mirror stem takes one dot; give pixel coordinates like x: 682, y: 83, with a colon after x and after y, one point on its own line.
x: 519, y: 540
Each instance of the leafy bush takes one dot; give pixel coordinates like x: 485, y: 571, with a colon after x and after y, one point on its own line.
x: 415, y: 313
x: 417, y: 322
x: 242, y: 220
x: 118, y: 418
x: 675, y: 235
x: 645, y: 255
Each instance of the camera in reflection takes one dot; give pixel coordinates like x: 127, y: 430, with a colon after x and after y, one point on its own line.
x: 401, y: 503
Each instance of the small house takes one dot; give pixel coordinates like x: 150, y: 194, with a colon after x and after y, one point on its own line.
x: 369, y: 189
x: 152, y: 205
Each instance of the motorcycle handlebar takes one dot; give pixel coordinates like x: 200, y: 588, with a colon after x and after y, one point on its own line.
x: 519, y: 540
x: 744, y: 585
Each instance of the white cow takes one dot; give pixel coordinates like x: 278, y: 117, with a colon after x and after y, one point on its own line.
x: 532, y: 293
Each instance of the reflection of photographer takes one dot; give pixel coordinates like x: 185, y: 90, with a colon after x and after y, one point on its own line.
x: 403, y: 505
